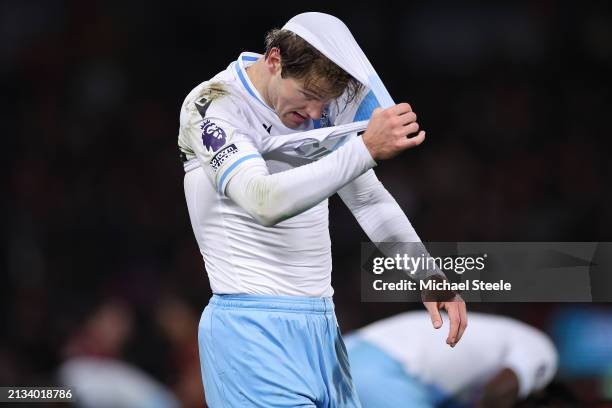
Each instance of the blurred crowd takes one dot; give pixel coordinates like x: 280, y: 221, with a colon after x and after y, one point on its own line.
x: 98, y: 256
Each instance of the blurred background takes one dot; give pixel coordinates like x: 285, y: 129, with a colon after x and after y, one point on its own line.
x: 98, y: 255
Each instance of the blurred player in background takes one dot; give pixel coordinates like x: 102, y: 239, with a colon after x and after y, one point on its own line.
x: 269, y: 336
x: 400, y: 362
x: 95, y: 368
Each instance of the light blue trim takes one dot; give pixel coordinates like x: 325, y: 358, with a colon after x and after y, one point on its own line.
x: 245, y: 83
x: 376, y: 83
x: 249, y: 58
x: 233, y: 166
x: 367, y: 106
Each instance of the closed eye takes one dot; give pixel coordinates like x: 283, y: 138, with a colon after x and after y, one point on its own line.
x: 310, y: 96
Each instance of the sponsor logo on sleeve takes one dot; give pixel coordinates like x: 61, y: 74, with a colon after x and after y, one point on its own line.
x: 220, y: 158
x: 213, y: 136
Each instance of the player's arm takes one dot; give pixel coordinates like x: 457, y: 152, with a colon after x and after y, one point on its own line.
x: 532, y: 357
x: 376, y: 211
x: 383, y: 220
x: 502, y: 391
x: 271, y: 198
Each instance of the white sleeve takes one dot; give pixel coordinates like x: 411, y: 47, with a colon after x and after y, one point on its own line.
x: 377, y: 212
x: 230, y: 155
x: 383, y: 220
x: 271, y: 198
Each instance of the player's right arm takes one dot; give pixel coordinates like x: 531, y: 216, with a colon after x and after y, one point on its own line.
x: 271, y: 198
x: 232, y: 161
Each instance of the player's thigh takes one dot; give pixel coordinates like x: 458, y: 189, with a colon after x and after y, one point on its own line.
x: 212, y: 373
x: 257, y: 359
x: 342, y: 391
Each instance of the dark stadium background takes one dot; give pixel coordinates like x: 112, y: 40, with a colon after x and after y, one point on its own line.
x: 515, y: 98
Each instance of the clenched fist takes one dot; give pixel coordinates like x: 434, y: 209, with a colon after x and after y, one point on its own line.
x: 388, y: 130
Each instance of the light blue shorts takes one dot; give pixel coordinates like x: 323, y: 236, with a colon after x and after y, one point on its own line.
x: 273, y: 351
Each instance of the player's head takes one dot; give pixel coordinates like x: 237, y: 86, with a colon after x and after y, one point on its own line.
x: 302, y: 80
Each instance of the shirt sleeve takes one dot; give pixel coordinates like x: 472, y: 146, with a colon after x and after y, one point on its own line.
x: 219, y: 144
x: 271, y: 198
x: 377, y: 212
x: 383, y: 220
x: 230, y: 156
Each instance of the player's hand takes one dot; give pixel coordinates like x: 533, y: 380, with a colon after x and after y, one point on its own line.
x: 457, y: 314
x: 388, y: 131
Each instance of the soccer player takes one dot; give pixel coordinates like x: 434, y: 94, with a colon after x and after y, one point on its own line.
x: 269, y: 336
x: 401, y: 362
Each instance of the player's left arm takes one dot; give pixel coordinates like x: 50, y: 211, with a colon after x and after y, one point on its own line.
x: 383, y: 220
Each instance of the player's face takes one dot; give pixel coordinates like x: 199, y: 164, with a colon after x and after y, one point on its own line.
x: 294, y: 103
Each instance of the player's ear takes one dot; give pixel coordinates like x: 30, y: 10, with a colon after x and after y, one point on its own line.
x: 273, y: 60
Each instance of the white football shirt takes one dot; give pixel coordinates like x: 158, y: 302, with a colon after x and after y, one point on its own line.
x: 225, y: 123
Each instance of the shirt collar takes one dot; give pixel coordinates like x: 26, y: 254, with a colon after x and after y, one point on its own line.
x: 244, y: 60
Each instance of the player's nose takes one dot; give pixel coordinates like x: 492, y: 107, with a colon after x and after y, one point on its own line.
x: 313, y: 110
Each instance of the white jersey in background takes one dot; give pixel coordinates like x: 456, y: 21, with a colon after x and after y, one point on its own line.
x: 490, y: 344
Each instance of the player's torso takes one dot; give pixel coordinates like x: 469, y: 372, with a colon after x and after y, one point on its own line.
x: 291, y: 258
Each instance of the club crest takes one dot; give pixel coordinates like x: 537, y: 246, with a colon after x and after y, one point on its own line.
x: 325, y: 119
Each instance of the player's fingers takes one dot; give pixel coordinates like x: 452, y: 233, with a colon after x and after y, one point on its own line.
x: 407, y: 118
x: 453, y: 317
x: 463, y: 317
x: 434, y: 314
x: 410, y: 142
x: 411, y: 129
x: 399, y: 109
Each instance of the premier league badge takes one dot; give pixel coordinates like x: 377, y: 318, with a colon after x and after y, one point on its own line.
x: 213, y: 136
